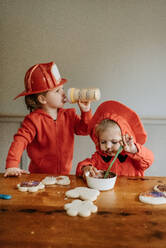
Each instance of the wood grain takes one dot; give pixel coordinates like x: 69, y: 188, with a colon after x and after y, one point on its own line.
x: 39, y: 220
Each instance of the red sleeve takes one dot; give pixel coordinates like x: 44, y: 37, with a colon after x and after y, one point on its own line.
x: 81, y: 123
x: 22, y: 138
x: 143, y: 158
x: 88, y: 161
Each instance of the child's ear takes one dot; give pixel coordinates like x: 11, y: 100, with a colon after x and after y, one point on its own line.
x: 42, y: 99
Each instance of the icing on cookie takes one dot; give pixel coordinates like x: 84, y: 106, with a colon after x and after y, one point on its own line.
x: 160, y: 188
x: 31, y: 186
x: 152, y: 197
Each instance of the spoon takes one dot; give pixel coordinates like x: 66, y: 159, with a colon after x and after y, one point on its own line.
x: 109, y: 168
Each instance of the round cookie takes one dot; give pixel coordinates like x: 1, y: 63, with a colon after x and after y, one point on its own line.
x: 31, y: 186
x: 97, y: 94
x: 160, y: 188
x: 83, y: 95
x: 152, y: 197
x: 61, y: 180
x: 71, y: 96
x: 49, y: 180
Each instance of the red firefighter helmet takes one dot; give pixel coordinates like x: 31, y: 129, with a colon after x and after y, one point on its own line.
x: 40, y: 78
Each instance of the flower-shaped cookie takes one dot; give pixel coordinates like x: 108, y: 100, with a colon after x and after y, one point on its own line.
x: 81, y: 208
x: 61, y: 180
x: 83, y: 193
x: 31, y: 186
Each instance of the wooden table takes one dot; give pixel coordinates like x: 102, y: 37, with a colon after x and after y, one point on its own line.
x: 39, y: 220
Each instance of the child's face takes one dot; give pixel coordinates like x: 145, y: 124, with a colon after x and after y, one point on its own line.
x: 109, y: 140
x: 56, y: 98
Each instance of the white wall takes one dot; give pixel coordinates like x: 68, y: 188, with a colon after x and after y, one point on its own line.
x: 116, y: 45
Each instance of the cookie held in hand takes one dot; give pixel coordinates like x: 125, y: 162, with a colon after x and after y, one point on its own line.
x: 83, y: 193
x: 81, y: 208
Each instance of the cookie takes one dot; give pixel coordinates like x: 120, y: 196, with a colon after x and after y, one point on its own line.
x: 73, y: 95
x: 31, y: 186
x: 81, y: 208
x: 152, y: 197
x: 83, y: 193
x: 160, y: 188
x: 49, y: 180
x: 87, y: 94
x: 61, y: 180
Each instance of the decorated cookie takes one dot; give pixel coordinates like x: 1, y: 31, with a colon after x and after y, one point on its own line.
x: 152, y: 197
x: 83, y: 193
x: 62, y: 180
x: 31, y: 186
x: 160, y: 188
x: 81, y: 208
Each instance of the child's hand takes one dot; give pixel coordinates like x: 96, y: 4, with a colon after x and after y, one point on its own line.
x: 84, y: 106
x: 93, y: 172
x: 128, y: 144
x: 14, y: 172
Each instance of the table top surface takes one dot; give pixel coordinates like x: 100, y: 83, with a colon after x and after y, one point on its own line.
x: 39, y: 220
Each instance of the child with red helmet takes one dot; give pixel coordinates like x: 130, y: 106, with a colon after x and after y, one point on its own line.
x: 48, y: 131
x: 114, y: 125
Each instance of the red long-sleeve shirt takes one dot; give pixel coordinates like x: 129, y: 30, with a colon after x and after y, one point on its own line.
x: 127, y: 164
x: 49, y: 143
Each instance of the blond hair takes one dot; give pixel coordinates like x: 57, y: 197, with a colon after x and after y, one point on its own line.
x: 104, y: 124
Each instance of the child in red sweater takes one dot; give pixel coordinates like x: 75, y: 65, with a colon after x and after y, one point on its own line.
x: 114, y: 125
x: 48, y: 131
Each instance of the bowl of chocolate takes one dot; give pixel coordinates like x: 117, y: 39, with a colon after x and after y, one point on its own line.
x: 99, y: 182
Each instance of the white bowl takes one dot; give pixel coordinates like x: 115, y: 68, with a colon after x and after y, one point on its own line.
x: 101, y: 183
